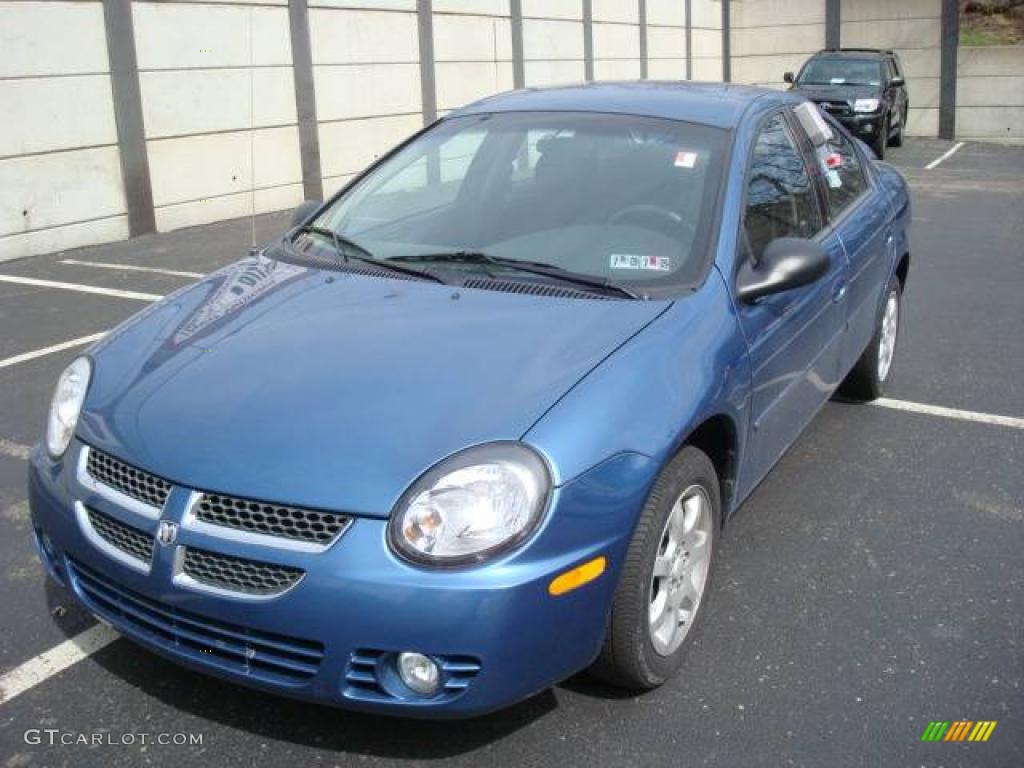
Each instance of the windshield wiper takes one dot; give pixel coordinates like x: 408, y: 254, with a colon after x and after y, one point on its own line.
x: 343, y: 244
x: 534, y: 267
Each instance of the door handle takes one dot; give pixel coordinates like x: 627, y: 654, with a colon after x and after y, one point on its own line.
x: 839, y: 290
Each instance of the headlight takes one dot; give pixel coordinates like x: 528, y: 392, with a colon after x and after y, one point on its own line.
x: 472, y: 505
x: 865, y: 105
x: 66, y: 405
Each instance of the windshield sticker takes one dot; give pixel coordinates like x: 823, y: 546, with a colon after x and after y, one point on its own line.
x: 685, y: 159
x: 838, y: 80
x: 636, y: 261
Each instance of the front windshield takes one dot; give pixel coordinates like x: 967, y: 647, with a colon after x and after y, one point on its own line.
x: 620, y: 198
x: 841, y: 71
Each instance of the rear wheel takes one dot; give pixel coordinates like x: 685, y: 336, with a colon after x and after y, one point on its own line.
x: 868, y: 377
x: 662, y: 591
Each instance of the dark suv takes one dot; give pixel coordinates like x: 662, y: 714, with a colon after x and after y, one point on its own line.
x: 863, y: 88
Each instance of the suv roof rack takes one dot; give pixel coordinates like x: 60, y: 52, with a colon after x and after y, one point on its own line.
x: 887, y: 51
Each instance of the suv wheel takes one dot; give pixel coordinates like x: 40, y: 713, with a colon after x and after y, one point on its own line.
x: 880, y: 142
x: 897, y: 138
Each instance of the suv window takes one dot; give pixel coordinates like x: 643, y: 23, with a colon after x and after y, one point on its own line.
x: 842, y: 171
x: 780, y: 196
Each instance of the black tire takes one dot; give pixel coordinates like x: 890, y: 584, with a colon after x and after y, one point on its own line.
x: 866, y: 381
x: 628, y: 658
x: 882, y: 139
x: 897, y: 138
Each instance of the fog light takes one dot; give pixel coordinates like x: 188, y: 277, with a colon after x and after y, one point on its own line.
x: 419, y: 672
x: 868, y: 128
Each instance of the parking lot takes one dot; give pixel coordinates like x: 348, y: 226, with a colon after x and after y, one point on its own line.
x: 872, y: 584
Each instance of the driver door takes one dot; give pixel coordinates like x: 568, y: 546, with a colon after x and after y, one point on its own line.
x: 793, y: 336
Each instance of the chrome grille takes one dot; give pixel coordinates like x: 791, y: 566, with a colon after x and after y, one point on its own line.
x: 308, y: 525
x: 243, y: 650
x: 236, y: 574
x: 129, y: 540
x: 131, y: 481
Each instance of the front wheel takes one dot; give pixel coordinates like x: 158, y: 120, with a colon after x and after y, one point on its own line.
x: 897, y: 138
x: 868, y: 377
x: 880, y: 142
x: 662, y: 591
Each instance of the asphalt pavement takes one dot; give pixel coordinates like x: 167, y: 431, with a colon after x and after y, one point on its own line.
x: 872, y: 584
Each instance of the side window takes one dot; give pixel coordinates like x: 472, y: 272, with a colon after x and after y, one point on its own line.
x: 891, y: 66
x: 780, y: 196
x: 844, y: 176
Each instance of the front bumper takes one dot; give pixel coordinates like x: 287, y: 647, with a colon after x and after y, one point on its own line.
x: 865, y: 126
x: 496, y: 633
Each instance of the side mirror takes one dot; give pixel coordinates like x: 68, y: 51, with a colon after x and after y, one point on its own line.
x: 787, y: 262
x: 788, y: 77
x: 304, y: 210
x: 897, y: 82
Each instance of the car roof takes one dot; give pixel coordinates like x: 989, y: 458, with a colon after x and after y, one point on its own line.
x: 853, y: 53
x: 720, y: 105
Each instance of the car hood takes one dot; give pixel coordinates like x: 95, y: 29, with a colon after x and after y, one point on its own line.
x: 847, y: 93
x: 329, y: 389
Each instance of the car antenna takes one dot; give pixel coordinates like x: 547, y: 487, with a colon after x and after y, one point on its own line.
x: 253, y: 248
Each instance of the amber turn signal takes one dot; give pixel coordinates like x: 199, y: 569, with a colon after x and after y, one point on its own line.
x: 577, y: 577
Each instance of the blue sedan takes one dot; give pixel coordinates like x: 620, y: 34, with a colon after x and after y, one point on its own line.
x: 475, y: 424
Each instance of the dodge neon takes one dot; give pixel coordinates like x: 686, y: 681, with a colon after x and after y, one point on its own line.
x: 475, y: 424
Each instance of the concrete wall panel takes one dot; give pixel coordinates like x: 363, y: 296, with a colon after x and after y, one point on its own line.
x: 626, y: 11
x: 367, y: 90
x: 191, y: 101
x: 49, y: 38
x: 666, y: 42
x: 465, y: 82
x: 51, y: 190
x: 55, y: 113
x: 541, y: 73
x: 193, y: 35
x: 666, y: 12
x: 362, y: 37
x: 552, y: 40
x: 616, y: 41
x: 472, y: 38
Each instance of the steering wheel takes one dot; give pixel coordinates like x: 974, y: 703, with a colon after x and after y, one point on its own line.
x: 654, y: 217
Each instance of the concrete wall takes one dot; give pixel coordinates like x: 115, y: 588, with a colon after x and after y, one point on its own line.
x: 707, y: 39
x: 990, y: 93
x: 217, y: 90
x: 367, y: 78
x: 60, y: 174
x: 207, y: 73
x: 771, y: 37
x: 913, y: 28
x: 552, y: 41
x: 666, y: 39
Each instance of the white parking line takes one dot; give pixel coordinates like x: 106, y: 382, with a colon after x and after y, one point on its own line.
x: 131, y: 268
x: 950, y: 413
x: 944, y: 156
x: 49, y: 350
x: 80, y: 288
x: 56, y: 660
x: 14, y: 450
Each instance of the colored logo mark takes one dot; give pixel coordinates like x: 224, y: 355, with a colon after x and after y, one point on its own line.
x: 958, y: 730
